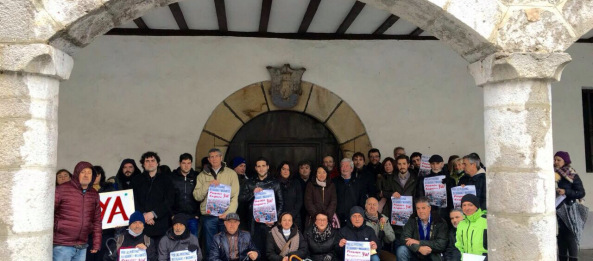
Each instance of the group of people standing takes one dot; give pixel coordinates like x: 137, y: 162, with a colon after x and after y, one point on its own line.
x: 319, y: 209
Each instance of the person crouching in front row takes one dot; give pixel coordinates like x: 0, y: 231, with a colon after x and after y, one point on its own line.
x: 178, y: 238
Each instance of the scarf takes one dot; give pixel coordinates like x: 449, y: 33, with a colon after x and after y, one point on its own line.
x: 567, y: 172
x: 183, y: 235
x: 371, y: 218
x: 421, y: 230
x: 133, y: 234
x: 403, y: 179
x: 293, y: 243
x: 321, y: 183
x: 320, y: 237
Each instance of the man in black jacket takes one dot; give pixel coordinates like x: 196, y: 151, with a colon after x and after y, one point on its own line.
x: 247, y: 195
x: 356, y: 230
x: 184, y: 183
x: 349, y: 191
x: 437, y: 169
x: 475, y: 175
x: 127, y: 170
x: 153, y: 196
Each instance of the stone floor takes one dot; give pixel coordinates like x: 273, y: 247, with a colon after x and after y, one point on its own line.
x: 586, y: 254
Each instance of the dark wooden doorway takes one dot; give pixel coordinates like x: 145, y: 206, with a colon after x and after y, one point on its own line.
x: 283, y: 135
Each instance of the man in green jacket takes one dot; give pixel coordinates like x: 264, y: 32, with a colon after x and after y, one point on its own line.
x: 472, y: 231
x: 425, y: 235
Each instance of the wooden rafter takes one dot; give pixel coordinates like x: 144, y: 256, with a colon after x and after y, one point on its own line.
x: 178, y: 15
x: 221, y: 15
x: 264, y: 19
x: 140, y: 23
x: 309, y: 14
x: 417, y: 32
x: 390, y: 21
x: 354, y: 12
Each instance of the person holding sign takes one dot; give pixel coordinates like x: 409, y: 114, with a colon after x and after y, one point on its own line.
x: 472, y: 232
x: 77, y: 214
x: 357, y: 231
x: 436, y: 186
x: 134, y: 238
x: 380, y: 224
x: 263, y: 181
x: 285, y: 240
x: 425, y: 235
x: 475, y: 175
x: 232, y: 244
x: 213, y: 175
x: 178, y: 241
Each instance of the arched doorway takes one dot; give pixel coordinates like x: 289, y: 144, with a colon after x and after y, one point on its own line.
x: 316, y: 105
x: 283, y: 135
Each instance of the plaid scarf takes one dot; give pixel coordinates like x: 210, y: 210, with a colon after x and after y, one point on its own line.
x: 320, y: 237
x: 567, y: 172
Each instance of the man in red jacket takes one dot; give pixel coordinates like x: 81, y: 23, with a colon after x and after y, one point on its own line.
x: 77, y: 213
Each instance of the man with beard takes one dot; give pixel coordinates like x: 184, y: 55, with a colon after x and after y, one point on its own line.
x: 184, y: 182
x: 153, y: 196
x: 263, y: 181
x: 374, y: 165
x: 178, y: 238
x: 127, y: 170
x: 328, y: 162
x: 415, y: 160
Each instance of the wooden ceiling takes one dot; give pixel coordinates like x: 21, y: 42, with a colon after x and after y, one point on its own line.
x: 291, y: 19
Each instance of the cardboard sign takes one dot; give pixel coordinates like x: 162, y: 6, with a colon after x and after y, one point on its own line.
x: 264, y: 206
x: 424, y: 166
x: 132, y: 254
x: 183, y: 255
x: 357, y: 251
x: 116, y: 208
x: 436, y: 191
x: 218, y: 200
x: 459, y: 192
x: 401, y: 210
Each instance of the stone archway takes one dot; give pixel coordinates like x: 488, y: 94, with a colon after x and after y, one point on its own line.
x: 253, y: 100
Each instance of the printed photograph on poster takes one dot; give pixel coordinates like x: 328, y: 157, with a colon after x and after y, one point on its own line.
x: 424, y: 166
x: 459, y: 192
x: 401, y: 210
x: 116, y: 208
x: 218, y: 200
x: 264, y: 207
x: 436, y: 191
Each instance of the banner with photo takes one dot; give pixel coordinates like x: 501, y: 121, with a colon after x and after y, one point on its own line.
x: 264, y: 206
x: 436, y: 191
x: 218, y: 200
x: 401, y: 210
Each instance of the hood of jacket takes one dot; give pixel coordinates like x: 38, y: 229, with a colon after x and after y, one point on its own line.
x: 75, y: 176
x: 120, y: 172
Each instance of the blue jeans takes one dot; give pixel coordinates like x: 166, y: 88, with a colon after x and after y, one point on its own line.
x: 211, y: 226
x: 403, y: 253
x: 375, y: 258
x: 68, y: 253
x: 192, y: 226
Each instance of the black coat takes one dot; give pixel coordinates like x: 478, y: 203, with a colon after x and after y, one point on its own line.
x: 154, y: 194
x: 184, y: 187
x: 273, y: 251
x: 369, y: 180
x: 438, y: 237
x: 478, y: 180
x: 452, y: 253
x: 246, y: 196
x: 292, y: 194
x: 573, y: 191
x: 318, y: 251
x: 351, y: 233
x: 349, y: 195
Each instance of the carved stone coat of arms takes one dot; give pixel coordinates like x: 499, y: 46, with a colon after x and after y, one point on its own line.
x: 286, y: 85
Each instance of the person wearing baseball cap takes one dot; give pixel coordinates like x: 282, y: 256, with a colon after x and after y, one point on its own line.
x: 233, y: 244
x: 437, y: 169
x: 472, y: 232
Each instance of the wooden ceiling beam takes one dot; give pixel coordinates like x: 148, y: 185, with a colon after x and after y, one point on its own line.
x: 221, y: 15
x: 178, y: 15
x: 264, y: 19
x: 140, y: 23
x: 354, y: 12
x: 390, y: 21
x: 308, y: 17
x: 417, y: 32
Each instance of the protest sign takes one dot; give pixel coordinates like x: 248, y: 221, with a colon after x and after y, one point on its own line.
x: 218, y: 200
x: 424, y: 166
x: 264, y: 206
x: 118, y: 206
x: 183, y: 255
x: 132, y: 254
x: 436, y: 191
x: 459, y: 192
x: 401, y: 210
x: 472, y: 257
x: 357, y: 251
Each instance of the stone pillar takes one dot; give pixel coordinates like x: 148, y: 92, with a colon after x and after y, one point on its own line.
x: 29, y: 79
x: 519, y: 153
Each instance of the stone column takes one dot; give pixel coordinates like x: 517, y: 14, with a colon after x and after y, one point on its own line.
x: 519, y: 153
x: 30, y: 75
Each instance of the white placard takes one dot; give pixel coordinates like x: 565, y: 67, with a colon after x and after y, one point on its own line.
x: 459, y: 192
x: 132, y: 254
x: 184, y: 255
x: 424, y: 166
x: 264, y: 206
x: 218, y: 200
x: 436, y: 191
x: 472, y: 257
x: 357, y: 251
x: 116, y: 208
x: 401, y: 210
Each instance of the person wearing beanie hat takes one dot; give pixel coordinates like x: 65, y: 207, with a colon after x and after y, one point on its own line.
x: 472, y: 232
x: 569, y: 185
x: 178, y: 238
x: 134, y: 238
x: 137, y: 216
x: 356, y: 230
